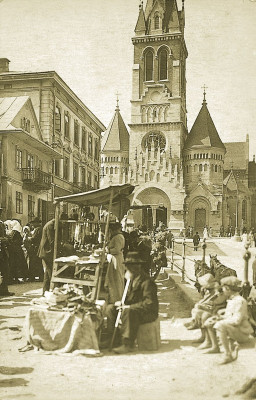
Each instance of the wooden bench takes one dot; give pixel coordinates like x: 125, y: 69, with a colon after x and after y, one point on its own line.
x: 148, y: 337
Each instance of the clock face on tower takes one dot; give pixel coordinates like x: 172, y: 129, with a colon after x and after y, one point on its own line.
x: 157, y: 139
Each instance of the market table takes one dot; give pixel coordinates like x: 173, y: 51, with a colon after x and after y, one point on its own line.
x: 63, y: 331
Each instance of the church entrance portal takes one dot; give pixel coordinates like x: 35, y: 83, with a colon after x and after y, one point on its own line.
x: 153, y: 215
x: 200, y: 219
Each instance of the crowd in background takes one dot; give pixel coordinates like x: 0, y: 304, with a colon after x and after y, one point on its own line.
x: 19, y: 245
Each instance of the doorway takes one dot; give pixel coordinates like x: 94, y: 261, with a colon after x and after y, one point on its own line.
x: 200, y: 219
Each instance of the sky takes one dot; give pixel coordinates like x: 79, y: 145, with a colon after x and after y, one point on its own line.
x: 88, y: 43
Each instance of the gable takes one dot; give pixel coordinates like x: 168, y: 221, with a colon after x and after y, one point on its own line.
x: 26, y: 120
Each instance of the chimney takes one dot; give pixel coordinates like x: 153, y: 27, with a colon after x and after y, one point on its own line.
x: 4, y: 65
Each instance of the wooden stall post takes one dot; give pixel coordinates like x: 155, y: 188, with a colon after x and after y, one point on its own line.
x: 56, y: 234
x: 172, y: 254
x: 102, y: 257
x: 204, y: 248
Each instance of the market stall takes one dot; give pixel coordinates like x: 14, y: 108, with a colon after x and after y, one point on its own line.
x: 69, y: 318
x: 86, y: 270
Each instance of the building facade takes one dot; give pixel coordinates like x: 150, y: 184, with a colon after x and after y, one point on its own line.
x: 66, y: 125
x: 26, y: 179
x: 181, y: 179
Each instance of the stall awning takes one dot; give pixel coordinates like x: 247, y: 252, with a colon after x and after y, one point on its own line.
x: 99, y: 196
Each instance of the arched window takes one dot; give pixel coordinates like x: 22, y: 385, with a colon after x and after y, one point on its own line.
x: 205, y: 167
x: 163, y: 64
x: 200, y: 167
x: 111, y: 171
x: 195, y: 168
x: 187, y: 168
x: 116, y: 170
x: 157, y: 22
x: 216, y: 168
x: 149, y: 66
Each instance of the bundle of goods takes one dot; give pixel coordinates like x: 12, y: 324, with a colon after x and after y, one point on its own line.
x: 69, y: 298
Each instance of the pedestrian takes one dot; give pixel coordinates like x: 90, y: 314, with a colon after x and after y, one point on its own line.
x: 17, y: 261
x: 205, y: 233
x: 221, y: 231
x: 140, y: 306
x: 191, y: 232
x: 114, y: 281
x: 169, y: 238
x: 33, y: 240
x: 4, y: 262
x: 45, y: 252
x: 196, y: 240
x: 232, y: 325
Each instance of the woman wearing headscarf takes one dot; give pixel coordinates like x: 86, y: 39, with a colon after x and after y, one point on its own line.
x: 17, y: 261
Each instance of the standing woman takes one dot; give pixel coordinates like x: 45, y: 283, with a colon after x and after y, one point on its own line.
x: 17, y: 261
x: 114, y: 281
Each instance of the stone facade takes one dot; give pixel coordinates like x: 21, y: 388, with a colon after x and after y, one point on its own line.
x: 180, y: 179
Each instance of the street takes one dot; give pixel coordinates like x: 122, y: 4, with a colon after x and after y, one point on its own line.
x: 178, y: 370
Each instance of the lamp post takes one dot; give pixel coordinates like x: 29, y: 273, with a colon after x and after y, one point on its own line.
x: 236, y: 237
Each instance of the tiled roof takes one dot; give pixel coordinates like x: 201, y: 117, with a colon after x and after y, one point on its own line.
x: 116, y: 137
x: 9, y: 108
x: 203, y: 132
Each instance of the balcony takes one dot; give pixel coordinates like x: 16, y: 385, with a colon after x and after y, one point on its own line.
x: 34, y: 179
x: 82, y: 187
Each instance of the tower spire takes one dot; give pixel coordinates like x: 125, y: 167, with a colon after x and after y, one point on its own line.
x: 204, y: 100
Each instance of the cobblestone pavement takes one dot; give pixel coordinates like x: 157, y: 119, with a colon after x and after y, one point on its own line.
x: 178, y: 370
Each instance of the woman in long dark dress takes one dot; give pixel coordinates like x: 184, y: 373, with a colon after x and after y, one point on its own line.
x: 17, y: 262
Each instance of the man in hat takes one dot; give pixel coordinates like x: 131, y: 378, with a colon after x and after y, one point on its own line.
x: 33, y: 241
x: 140, y: 306
x: 233, y: 324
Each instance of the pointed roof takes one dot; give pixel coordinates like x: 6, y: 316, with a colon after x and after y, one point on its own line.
x: 141, y: 23
x: 170, y: 14
x: 232, y: 183
x: 116, y: 137
x: 203, y: 132
x: 9, y: 108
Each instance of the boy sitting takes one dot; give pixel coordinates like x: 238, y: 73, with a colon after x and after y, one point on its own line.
x: 232, y: 325
x: 213, y: 299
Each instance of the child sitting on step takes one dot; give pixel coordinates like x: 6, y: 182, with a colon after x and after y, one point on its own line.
x: 213, y: 300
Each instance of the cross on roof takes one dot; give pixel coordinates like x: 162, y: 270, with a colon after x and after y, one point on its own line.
x: 204, y: 87
x: 117, y: 100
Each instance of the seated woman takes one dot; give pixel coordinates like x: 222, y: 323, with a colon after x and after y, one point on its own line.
x: 232, y: 325
x: 213, y: 299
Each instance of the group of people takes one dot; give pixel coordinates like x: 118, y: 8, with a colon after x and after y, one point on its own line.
x: 19, y: 261
x: 222, y: 316
x: 140, y: 304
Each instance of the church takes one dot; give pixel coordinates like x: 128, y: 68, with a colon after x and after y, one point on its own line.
x: 182, y: 179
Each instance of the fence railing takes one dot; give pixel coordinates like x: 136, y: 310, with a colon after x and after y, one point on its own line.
x: 183, y: 258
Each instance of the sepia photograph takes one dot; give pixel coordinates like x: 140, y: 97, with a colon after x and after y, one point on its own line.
x: 127, y: 199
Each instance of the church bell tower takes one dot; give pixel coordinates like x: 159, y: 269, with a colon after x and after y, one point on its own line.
x: 158, y: 126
